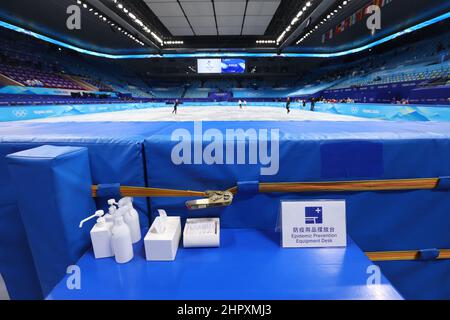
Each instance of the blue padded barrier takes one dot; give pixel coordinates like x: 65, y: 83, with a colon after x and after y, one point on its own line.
x: 247, y: 189
x: 396, y: 112
x: 54, y: 194
x: 444, y: 183
x: 428, y: 254
x: 114, y: 157
x: 377, y: 221
x: 110, y: 190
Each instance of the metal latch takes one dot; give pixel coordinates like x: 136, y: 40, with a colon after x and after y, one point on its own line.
x: 215, y: 199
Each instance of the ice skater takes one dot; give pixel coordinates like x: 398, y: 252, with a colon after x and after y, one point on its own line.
x: 175, y: 106
x: 240, y: 104
x: 313, y: 104
x: 288, y: 104
x: 304, y: 103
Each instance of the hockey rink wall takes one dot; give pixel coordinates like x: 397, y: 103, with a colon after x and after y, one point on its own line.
x: 363, y: 110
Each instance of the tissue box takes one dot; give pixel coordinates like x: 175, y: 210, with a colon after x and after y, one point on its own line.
x: 201, y: 232
x: 163, y: 246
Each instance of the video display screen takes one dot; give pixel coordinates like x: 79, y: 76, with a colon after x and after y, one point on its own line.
x: 220, y: 66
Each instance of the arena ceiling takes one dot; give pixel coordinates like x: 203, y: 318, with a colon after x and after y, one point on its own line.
x: 179, y: 26
x: 215, y: 18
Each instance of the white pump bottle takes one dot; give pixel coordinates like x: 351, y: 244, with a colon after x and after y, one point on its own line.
x: 100, y: 236
x: 121, y: 241
x: 111, y: 211
x: 131, y: 218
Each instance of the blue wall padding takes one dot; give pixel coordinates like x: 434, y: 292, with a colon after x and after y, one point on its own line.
x: 428, y: 254
x: 110, y: 190
x: 54, y: 194
x: 351, y: 160
x: 443, y: 183
x: 424, y: 280
x: 116, y: 155
x: 247, y: 189
x: 377, y: 221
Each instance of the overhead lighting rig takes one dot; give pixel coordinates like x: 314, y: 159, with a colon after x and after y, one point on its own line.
x: 294, y: 21
x: 266, y: 41
x: 327, y: 18
x: 172, y: 42
x: 108, y: 21
x: 134, y: 17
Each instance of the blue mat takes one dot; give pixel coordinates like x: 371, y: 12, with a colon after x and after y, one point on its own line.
x: 249, y: 265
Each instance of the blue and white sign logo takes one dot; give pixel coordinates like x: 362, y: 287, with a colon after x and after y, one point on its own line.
x: 313, y: 215
x: 313, y: 223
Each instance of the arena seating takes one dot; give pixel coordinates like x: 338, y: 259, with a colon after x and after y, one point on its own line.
x: 31, y: 77
x: 24, y: 100
x: 424, y: 64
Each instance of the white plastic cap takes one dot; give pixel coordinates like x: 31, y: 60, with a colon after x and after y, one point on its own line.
x: 125, y: 201
x: 101, y: 220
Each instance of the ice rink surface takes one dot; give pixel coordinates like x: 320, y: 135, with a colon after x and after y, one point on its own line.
x: 202, y: 113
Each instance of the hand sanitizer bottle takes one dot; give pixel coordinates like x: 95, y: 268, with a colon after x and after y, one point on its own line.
x: 101, y: 239
x: 100, y: 235
x: 131, y: 218
x: 121, y: 241
x: 111, y: 211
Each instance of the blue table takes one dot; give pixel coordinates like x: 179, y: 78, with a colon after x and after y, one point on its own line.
x: 250, y: 264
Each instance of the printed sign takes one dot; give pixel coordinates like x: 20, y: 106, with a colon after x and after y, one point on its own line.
x: 315, y: 223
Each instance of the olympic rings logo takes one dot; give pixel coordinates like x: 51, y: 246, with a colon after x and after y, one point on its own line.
x: 20, y: 113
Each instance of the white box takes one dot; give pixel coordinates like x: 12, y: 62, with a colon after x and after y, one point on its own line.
x: 163, y: 246
x: 313, y: 223
x: 201, y: 232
